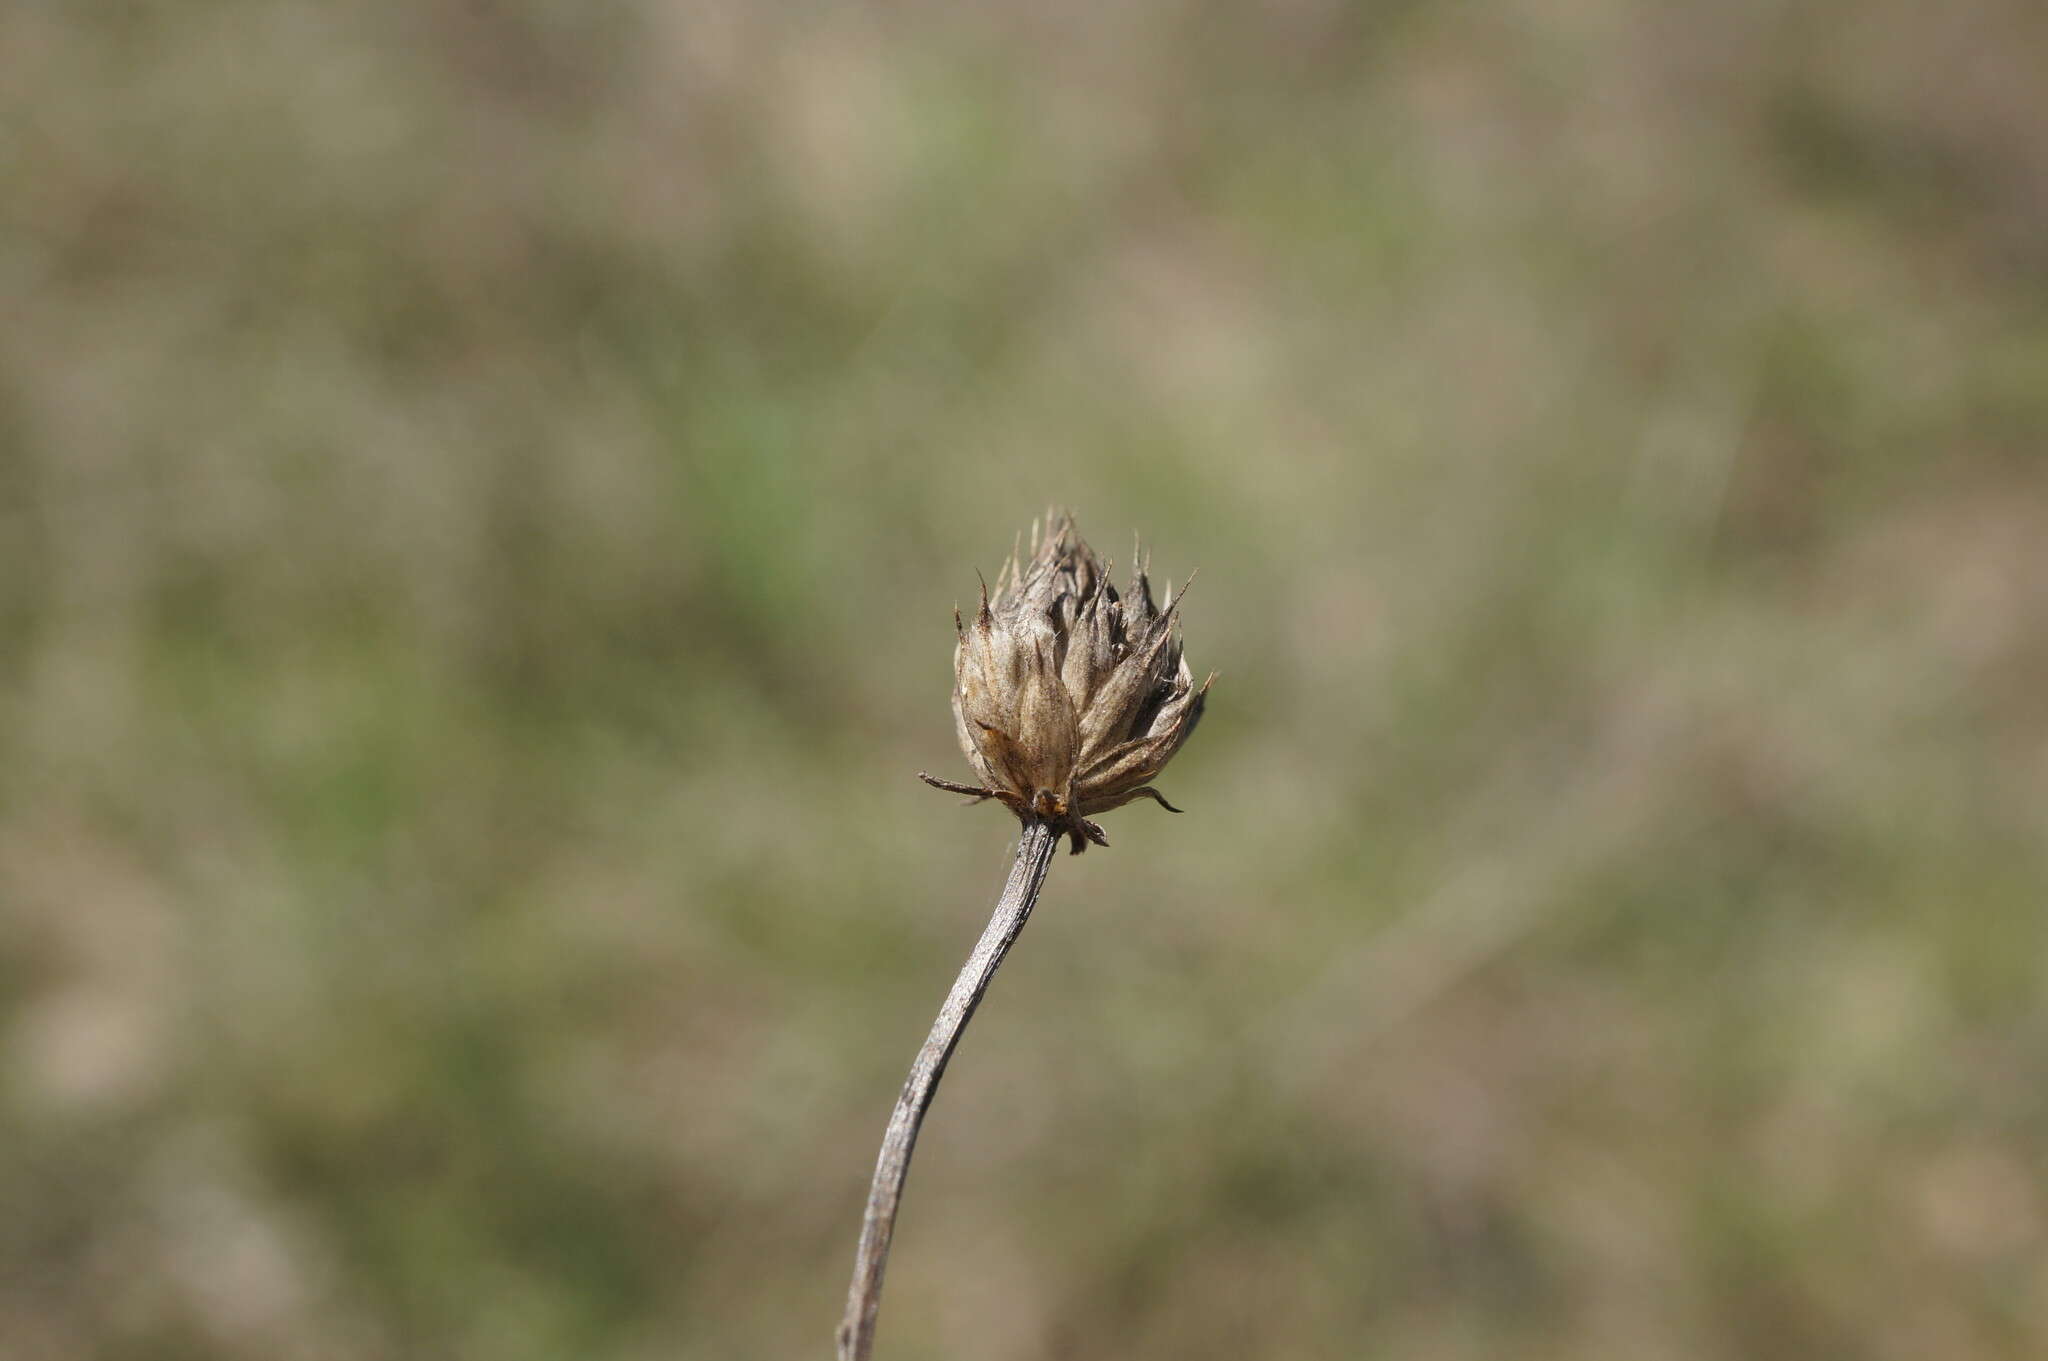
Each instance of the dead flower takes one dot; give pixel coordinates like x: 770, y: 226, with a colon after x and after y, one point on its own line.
x: 1069, y: 699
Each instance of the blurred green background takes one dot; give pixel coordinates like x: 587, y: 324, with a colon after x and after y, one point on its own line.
x: 482, y: 493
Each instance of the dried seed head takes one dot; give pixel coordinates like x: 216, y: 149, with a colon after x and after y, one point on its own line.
x: 1069, y: 698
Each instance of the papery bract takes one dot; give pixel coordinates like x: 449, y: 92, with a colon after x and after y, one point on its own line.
x: 1068, y: 697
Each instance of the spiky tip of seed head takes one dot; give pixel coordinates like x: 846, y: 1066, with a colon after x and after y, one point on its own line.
x: 1068, y: 698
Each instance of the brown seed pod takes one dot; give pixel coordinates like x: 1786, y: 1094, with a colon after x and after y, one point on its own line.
x: 1068, y: 697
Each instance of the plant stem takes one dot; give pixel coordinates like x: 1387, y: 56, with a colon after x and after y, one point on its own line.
x: 1020, y: 894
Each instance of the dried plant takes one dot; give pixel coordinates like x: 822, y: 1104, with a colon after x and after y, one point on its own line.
x: 1068, y: 699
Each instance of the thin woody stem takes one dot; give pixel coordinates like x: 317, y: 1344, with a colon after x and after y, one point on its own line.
x: 1020, y: 894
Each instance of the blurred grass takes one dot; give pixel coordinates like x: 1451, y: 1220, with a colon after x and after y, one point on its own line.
x: 481, y: 493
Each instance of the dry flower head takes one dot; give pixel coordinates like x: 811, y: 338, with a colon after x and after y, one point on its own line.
x: 1068, y: 697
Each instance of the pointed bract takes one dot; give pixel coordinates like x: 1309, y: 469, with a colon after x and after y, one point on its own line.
x: 1069, y: 698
